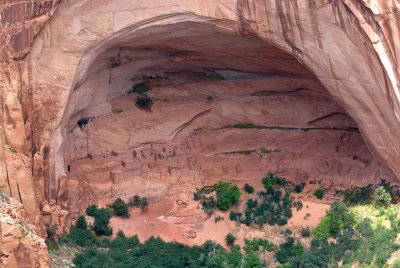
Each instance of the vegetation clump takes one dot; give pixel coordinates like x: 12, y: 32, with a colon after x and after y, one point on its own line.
x: 101, y: 221
x: 244, y: 152
x: 139, y: 88
x: 227, y: 195
x: 125, y: 251
x: 91, y: 210
x: 298, y: 188
x: 143, y: 101
x: 80, y: 235
x: 51, y: 241
x: 140, y: 202
x: 382, y: 196
x: 120, y: 208
x: 230, y: 239
x: 288, y: 250
x: 305, y: 231
x: 265, y: 150
x: 102, y: 218
x: 319, y: 193
x: 357, y: 195
x: 365, y: 236
x: 248, y: 188
x: 273, y: 206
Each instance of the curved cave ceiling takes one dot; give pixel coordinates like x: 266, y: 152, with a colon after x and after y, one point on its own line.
x: 305, y: 131
x: 256, y: 58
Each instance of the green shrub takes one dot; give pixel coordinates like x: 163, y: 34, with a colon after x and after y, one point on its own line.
x: 322, y: 231
x: 51, y: 231
x: 139, y: 88
x: 120, y: 208
x: 128, y: 252
x: 265, y: 150
x: 337, y: 219
x: 52, y: 244
x: 382, y: 196
x: 357, y: 195
x: 288, y: 250
x: 227, y: 195
x: 79, y: 237
x: 258, y: 245
x: 138, y: 201
x: 81, y: 222
x: 208, y: 204
x: 143, y: 101
x: 270, y: 180
x: 244, y: 126
x: 233, y: 216
x: 305, y: 231
x: 91, y: 210
x: 319, y: 193
x: 197, y: 196
x: 248, y: 188
x: 210, y: 98
x: 299, y: 187
x: 298, y: 205
x: 101, y: 221
x: 245, y: 152
x: 230, y: 239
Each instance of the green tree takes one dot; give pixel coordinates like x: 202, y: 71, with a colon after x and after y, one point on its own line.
x: 120, y: 208
x: 143, y: 203
x: 288, y: 250
x: 143, y: 101
x: 227, y: 195
x: 101, y: 221
x: 382, y: 196
x: 319, y: 193
x: 248, y: 188
x: 81, y: 222
x: 91, y: 210
x: 230, y: 239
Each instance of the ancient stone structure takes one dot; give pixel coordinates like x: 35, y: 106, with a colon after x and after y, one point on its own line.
x: 66, y: 60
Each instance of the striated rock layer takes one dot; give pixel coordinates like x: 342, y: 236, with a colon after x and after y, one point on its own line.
x: 90, y: 52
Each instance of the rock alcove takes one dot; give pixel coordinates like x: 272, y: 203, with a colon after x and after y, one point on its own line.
x: 226, y: 107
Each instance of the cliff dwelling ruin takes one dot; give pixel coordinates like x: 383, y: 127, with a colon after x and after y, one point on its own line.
x: 306, y: 90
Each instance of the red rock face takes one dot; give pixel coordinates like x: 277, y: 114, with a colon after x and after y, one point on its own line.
x: 20, y: 22
x: 19, y: 244
x: 351, y: 47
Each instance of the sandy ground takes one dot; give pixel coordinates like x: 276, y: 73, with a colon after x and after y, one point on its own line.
x: 160, y: 219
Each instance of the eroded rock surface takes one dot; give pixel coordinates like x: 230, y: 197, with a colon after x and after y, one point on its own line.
x: 83, y: 60
x: 20, y: 246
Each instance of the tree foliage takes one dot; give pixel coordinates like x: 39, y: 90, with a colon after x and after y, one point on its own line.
x: 120, y: 208
x: 227, y: 195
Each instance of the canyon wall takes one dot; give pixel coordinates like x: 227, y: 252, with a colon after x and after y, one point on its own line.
x: 20, y: 246
x: 351, y: 46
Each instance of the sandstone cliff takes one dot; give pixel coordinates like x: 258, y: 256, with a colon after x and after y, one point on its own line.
x: 50, y: 69
x: 19, y: 244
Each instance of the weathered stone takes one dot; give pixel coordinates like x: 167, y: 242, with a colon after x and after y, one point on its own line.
x: 19, y: 244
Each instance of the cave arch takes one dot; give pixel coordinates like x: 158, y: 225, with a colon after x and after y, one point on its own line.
x: 348, y: 67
